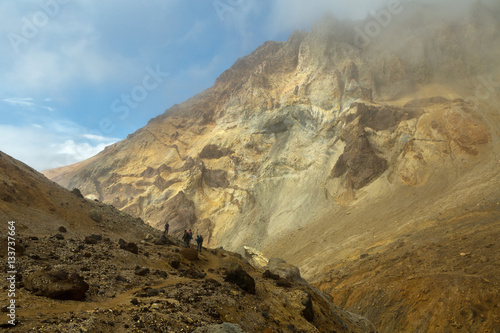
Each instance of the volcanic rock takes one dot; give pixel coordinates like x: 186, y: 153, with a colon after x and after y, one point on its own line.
x: 284, y: 270
x: 57, y: 284
x: 131, y: 247
x: 242, y: 279
x: 222, y: 328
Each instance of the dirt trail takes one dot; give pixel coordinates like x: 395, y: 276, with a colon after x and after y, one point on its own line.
x: 102, y: 304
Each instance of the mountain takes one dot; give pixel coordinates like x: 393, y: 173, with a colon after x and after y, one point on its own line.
x: 84, y: 266
x: 40, y: 207
x: 353, y: 140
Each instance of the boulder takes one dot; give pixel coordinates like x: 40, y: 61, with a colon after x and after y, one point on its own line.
x: 284, y: 270
x: 222, y: 328
x: 242, y: 279
x: 268, y: 275
x: 190, y: 254
x: 141, y: 271
x: 95, y: 215
x: 57, y: 284
x: 77, y: 192
x: 175, y: 263
x: 131, y: 247
x: 90, y: 240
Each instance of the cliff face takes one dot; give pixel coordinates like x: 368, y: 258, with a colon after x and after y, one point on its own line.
x: 317, y: 148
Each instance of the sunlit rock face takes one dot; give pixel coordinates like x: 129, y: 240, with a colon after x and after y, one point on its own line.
x: 299, y: 129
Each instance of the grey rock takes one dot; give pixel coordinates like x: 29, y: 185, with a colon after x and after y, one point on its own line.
x: 222, y: 328
x: 95, y: 215
x: 284, y: 270
x: 242, y: 279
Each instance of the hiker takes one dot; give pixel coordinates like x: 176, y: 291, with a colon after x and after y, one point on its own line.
x: 186, y: 239
x: 166, y: 228
x: 199, y: 241
x: 190, y: 233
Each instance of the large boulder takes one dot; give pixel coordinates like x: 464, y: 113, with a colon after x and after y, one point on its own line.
x: 242, y: 279
x: 131, y: 247
x: 190, y: 254
x: 283, y: 269
x: 57, y: 284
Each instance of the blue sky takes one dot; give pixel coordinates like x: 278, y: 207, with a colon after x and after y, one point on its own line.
x: 78, y: 75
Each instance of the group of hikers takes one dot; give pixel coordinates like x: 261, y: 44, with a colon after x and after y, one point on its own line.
x: 187, y: 237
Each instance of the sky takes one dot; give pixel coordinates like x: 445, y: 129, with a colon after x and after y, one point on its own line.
x: 78, y: 75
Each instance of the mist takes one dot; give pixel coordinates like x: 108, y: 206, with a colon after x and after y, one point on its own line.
x: 297, y: 14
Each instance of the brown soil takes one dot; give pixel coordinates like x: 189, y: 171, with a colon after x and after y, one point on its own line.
x: 443, y: 278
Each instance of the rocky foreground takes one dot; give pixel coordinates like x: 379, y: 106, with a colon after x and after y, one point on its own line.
x: 83, y: 266
x: 96, y: 285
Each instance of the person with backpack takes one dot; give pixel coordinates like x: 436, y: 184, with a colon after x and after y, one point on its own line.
x: 186, y: 239
x: 199, y: 241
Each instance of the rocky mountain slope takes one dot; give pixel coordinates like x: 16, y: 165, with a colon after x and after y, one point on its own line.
x: 83, y: 266
x: 321, y: 148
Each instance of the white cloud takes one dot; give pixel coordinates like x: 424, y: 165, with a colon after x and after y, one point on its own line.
x: 99, y: 138
x: 69, y: 50
x: 73, y: 152
x: 40, y: 71
x: 27, y: 103
x: 46, y: 147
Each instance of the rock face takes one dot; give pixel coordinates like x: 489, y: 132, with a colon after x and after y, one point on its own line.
x: 316, y: 148
x: 255, y: 257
